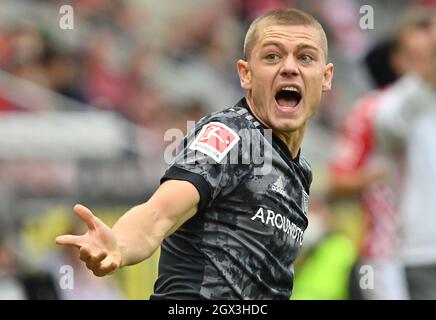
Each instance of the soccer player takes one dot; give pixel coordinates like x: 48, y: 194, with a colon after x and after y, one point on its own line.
x: 356, y: 168
x: 231, y: 210
x: 406, y: 130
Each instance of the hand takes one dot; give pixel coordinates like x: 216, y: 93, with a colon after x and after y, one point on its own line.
x: 98, y: 246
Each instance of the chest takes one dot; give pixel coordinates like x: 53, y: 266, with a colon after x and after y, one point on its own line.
x: 272, y: 210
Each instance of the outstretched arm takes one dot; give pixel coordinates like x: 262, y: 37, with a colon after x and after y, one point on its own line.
x: 138, y: 233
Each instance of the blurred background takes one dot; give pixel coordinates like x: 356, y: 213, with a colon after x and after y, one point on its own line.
x: 83, y: 113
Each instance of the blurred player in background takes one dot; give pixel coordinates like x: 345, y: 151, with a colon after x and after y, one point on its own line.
x: 230, y: 221
x: 406, y: 127
x: 358, y: 168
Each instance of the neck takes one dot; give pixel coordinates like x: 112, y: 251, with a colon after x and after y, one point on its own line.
x: 292, y: 139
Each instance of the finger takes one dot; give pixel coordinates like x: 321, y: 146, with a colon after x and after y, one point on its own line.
x: 85, y: 253
x: 69, y: 239
x: 92, y: 259
x: 99, y: 257
x: 97, y: 222
x: 105, y: 269
x: 85, y: 215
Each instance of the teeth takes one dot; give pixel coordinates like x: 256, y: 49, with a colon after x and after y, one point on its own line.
x: 290, y: 89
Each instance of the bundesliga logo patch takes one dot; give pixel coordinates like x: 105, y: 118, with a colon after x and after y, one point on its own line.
x: 215, y: 140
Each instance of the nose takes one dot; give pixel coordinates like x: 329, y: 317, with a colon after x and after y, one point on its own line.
x: 289, y: 67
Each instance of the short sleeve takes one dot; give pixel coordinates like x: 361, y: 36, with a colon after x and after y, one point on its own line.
x: 211, y: 158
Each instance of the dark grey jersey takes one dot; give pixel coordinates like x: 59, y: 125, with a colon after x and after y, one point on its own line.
x: 252, y: 214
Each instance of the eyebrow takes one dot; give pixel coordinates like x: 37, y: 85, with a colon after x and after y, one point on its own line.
x: 275, y: 44
x: 298, y: 47
x: 307, y: 46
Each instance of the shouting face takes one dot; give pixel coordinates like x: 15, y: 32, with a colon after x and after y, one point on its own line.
x: 285, y: 76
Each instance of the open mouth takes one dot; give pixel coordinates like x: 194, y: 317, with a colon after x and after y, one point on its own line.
x: 288, y: 97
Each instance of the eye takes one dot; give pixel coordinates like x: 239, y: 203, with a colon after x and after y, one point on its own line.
x: 272, y: 57
x: 305, y: 58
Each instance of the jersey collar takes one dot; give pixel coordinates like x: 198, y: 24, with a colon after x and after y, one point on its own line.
x: 277, y: 142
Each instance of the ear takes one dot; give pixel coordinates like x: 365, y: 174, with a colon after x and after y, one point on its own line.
x: 328, y: 76
x: 244, y: 74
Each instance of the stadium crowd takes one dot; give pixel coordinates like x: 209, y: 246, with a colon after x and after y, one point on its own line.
x: 156, y: 65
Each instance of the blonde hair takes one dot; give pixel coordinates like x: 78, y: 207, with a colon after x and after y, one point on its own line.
x: 283, y: 16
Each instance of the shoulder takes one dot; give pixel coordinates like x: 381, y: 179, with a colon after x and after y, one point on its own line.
x: 235, y: 121
x: 408, y: 89
x: 217, y: 134
x: 236, y: 118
